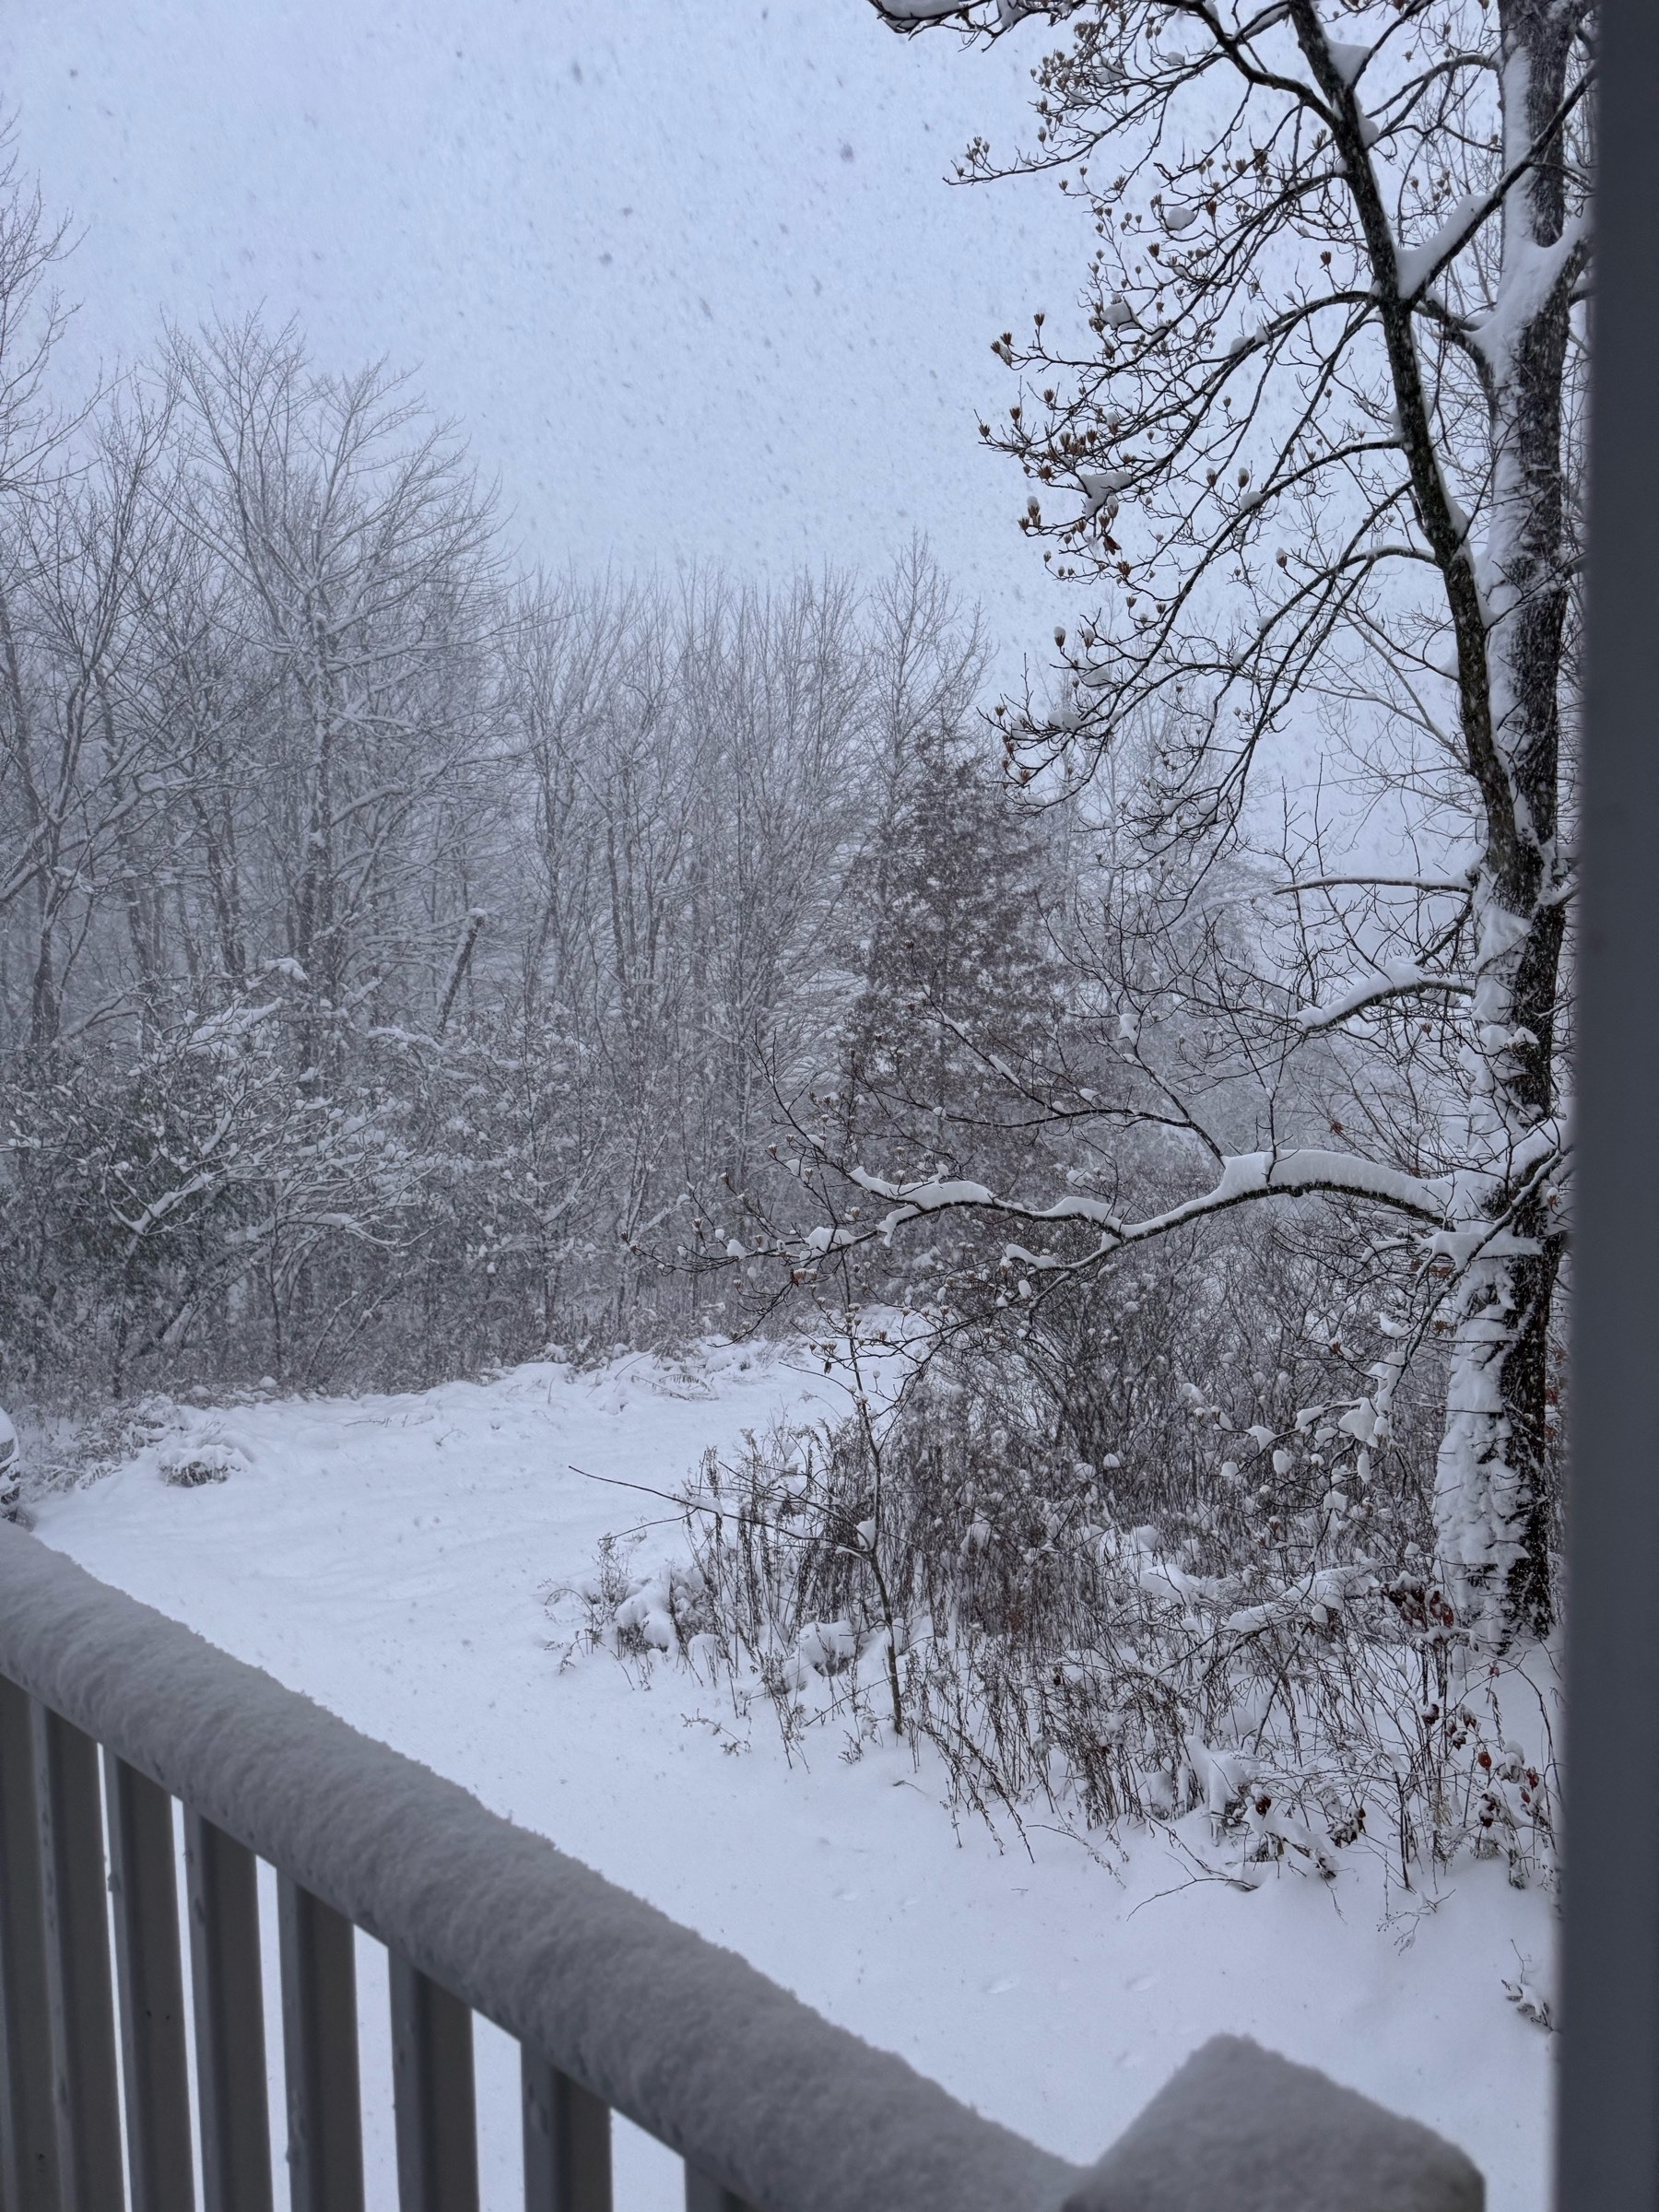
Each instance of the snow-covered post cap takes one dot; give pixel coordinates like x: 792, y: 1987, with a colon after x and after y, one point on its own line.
x: 1239, y: 2129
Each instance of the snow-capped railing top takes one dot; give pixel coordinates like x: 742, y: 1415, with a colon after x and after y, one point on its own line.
x: 755, y: 2090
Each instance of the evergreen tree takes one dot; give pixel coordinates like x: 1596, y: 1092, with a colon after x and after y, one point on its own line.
x: 958, y: 1004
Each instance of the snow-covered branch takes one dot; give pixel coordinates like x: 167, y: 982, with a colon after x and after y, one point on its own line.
x: 1245, y: 1178
x: 1399, y: 980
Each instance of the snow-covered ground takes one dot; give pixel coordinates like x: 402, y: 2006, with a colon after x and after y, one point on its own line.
x: 392, y: 1558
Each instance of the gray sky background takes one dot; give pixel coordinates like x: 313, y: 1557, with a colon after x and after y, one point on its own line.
x: 688, y: 273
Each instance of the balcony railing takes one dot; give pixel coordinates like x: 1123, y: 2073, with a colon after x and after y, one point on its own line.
x: 615, y: 2007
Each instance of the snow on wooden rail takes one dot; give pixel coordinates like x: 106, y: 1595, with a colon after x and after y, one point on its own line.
x: 763, y: 2097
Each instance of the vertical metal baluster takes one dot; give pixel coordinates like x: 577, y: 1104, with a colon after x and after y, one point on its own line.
x: 320, y: 2054
x: 79, y: 2003
x: 704, y: 2195
x: 566, y: 2141
x: 432, y: 2078
x: 149, y: 1979
x: 29, y: 2154
x: 229, y: 2019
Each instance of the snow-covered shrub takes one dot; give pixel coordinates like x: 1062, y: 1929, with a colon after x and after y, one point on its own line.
x: 634, y: 1615
x: 954, y: 1577
x: 192, y: 1463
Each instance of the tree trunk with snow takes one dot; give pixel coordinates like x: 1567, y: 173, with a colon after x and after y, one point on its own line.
x: 1489, y: 1489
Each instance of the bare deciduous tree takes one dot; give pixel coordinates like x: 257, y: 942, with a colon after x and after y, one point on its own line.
x: 1313, y: 446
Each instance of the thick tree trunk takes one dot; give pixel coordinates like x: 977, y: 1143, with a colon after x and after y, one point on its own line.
x: 1492, y: 1507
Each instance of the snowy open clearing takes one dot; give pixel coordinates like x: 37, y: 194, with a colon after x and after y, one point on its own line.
x: 392, y: 1558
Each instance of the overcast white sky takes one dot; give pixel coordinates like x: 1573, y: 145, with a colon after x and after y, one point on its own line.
x: 685, y: 269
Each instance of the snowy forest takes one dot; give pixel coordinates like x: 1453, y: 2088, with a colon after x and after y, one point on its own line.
x: 1147, y: 1082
